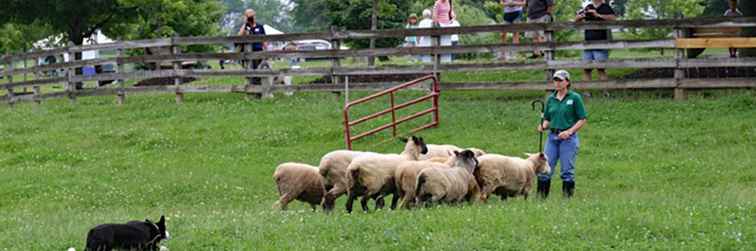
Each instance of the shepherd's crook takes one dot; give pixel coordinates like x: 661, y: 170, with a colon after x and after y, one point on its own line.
x: 540, y: 135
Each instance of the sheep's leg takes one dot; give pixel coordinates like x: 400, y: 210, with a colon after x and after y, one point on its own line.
x: 350, y: 201
x: 284, y: 200
x: 330, y: 198
x: 395, y: 199
x: 379, y: 202
x: 364, y: 202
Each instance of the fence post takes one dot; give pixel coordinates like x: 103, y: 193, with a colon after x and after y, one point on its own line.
x: 549, y: 55
x: 37, y: 99
x: 247, y: 47
x: 121, y: 96
x: 175, y: 50
x: 435, y: 43
x: 71, y: 73
x: 9, y: 75
x: 680, y: 93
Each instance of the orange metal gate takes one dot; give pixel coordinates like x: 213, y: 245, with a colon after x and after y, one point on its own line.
x: 433, y: 95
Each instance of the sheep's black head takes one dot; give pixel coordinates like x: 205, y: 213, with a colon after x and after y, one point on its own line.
x: 417, y: 142
x: 466, y: 159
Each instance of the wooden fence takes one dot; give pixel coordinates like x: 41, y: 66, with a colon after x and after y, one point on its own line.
x: 176, y: 57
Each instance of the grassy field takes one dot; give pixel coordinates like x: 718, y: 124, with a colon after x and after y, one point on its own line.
x: 652, y: 174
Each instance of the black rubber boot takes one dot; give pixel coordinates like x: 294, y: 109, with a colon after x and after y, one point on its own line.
x: 543, y: 188
x: 568, y: 188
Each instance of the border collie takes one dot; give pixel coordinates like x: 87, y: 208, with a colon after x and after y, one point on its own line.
x: 134, y: 235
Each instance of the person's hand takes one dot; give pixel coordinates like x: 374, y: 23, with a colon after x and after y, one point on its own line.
x: 565, y: 134
x: 591, y: 11
x: 540, y: 128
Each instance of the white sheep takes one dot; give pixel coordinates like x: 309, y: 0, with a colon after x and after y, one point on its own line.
x: 405, y: 177
x: 441, y: 153
x: 298, y: 181
x: 373, y: 176
x: 509, y: 176
x: 333, y: 167
x: 450, y: 185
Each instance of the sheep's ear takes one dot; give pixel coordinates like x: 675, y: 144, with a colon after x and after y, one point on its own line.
x: 403, y: 139
x: 542, y: 156
x: 456, y: 153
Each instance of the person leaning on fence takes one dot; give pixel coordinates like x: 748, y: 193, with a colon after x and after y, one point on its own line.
x: 252, y: 27
x: 733, y: 12
x: 512, y: 15
x: 539, y: 11
x: 443, y: 15
x: 425, y: 41
x: 564, y: 115
x: 411, y: 41
x: 597, y: 10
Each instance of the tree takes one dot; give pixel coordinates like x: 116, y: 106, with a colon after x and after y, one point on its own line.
x: 122, y: 19
x: 661, y: 9
x: 352, y: 15
x: 15, y: 38
x: 309, y: 15
x: 619, y: 7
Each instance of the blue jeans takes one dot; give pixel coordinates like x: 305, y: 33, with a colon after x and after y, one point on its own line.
x: 564, y: 150
x: 596, y: 55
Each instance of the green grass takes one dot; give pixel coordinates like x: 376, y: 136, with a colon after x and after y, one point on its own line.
x: 652, y: 174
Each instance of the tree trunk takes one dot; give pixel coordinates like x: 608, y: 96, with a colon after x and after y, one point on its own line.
x: 75, y: 36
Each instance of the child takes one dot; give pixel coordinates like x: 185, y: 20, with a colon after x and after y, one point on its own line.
x: 733, y: 12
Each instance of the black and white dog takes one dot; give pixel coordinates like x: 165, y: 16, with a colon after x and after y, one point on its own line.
x: 134, y: 235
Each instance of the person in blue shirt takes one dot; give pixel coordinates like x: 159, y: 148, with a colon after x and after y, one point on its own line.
x: 252, y: 27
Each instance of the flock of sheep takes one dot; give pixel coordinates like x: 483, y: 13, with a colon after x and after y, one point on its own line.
x: 420, y: 175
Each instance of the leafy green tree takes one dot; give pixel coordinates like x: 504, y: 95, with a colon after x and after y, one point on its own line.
x: 351, y: 15
x: 120, y: 19
x: 660, y: 9
x: 16, y: 38
x: 310, y: 15
x: 619, y: 7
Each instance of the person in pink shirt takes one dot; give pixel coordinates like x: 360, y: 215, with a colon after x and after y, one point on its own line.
x: 443, y: 12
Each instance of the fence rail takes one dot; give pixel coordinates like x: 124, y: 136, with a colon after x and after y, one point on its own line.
x: 679, y: 63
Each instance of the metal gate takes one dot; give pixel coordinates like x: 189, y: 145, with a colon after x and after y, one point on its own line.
x: 393, y: 107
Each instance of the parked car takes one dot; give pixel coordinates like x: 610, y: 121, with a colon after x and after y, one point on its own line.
x: 313, y: 45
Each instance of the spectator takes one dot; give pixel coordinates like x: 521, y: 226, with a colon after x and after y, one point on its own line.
x: 443, y: 12
x: 539, y: 11
x: 252, y: 27
x: 411, y: 41
x: 512, y: 15
x: 454, y: 38
x: 733, y: 12
x: 443, y: 15
x: 597, y: 10
x: 425, y: 41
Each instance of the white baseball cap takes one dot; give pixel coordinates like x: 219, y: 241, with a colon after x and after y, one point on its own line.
x: 562, y: 74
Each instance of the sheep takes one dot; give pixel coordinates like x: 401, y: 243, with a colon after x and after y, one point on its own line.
x: 450, y: 185
x: 439, y: 151
x: 373, y: 176
x: 509, y: 176
x: 405, y: 177
x: 298, y: 181
x: 333, y: 168
x: 436, y: 152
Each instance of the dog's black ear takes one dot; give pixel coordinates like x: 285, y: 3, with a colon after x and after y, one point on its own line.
x: 162, y: 220
x: 147, y: 220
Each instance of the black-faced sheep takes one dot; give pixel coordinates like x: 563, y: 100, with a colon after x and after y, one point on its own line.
x: 449, y: 185
x: 373, y: 176
x: 509, y: 176
x: 298, y: 181
x: 333, y: 168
